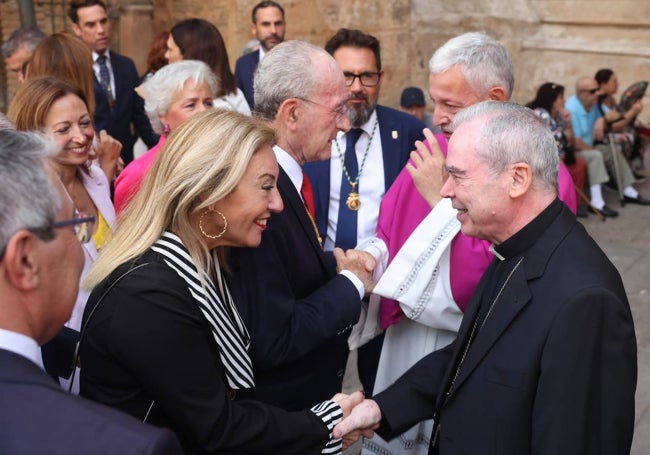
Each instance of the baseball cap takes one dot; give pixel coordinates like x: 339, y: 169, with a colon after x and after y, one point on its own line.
x: 412, y: 96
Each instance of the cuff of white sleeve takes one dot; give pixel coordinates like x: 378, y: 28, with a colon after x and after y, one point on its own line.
x: 331, y: 414
x: 355, y: 281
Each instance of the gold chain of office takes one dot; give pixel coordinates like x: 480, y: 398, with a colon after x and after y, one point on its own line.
x: 353, y: 201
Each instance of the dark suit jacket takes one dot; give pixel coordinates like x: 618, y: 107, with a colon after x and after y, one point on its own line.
x: 244, y: 72
x: 38, y: 417
x: 127, y: 119
x: 398, y: 132
x: 299, y: 312
x: 148, y: 340
x: 552, y: 371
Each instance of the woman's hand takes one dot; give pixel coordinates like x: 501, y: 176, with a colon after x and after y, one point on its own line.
x: 108, y: 151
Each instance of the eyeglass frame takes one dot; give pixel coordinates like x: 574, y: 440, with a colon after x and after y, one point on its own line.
x: 45, y: 233
x: 83, y: 235
x: 339, y: 112
x: 591, y: 91
x: 354, y: 76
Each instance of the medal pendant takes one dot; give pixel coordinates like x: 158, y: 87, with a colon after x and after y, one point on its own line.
x: 353, y: 202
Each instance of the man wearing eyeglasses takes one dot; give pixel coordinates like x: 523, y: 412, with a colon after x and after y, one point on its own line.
x: 40, y: 264
x: 365, y: 161
x: 589, y: 133
x: 298, y: 310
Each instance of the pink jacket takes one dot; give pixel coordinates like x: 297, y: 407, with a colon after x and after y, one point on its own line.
x: 129, y: 180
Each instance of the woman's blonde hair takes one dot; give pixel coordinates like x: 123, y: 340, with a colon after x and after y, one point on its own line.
x: 201, y: 162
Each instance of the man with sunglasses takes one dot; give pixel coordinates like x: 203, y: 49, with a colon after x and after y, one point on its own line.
x: 589, y: 133
x: 40, y: 264
x: 365, y: 161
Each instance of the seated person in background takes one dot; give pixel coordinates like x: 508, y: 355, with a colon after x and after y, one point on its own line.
x: 164, y: 340
x: 616, y: 121
x: 412, y: 102
x: 198, y: 39
x: 549, y: 106
x: 60, y: 110
x: 40, y: 263
x: 175, y: 93
x: 589, y: 132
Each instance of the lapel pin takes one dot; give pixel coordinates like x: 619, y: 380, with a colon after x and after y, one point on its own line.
x: 394, y: 134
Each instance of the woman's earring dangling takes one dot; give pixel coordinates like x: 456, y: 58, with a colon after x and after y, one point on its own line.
x: 220, y: 234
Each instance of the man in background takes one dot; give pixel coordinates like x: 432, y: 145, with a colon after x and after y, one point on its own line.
x: 268, y: 26
x: 365, y: 161
x: 412, y: 102
x: 18, y: 49
x: 119, y: 110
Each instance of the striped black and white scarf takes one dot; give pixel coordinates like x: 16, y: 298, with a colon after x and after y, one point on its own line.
x: 217, y: 307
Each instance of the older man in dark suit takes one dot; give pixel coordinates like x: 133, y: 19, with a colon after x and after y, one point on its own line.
x: 119, y: 110
x: 545, y: 358
x: 40, y: 264
x: 267, y: 25
x: 298, y: 310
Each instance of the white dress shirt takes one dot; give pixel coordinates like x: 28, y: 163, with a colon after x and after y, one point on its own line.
x: 110, y: 70
x: 22, y: 345
x: 371, y: 186
x: 294, y: 172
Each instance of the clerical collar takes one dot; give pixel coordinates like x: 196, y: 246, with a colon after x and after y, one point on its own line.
x: 528, y: 235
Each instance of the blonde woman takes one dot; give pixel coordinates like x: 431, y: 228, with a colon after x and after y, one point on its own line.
x: 163, y: 340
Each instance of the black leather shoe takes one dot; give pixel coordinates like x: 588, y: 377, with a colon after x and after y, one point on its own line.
x: 606, y: 211
x: 637, y: 200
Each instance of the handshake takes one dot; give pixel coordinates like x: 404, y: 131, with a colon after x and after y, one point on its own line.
x: 360, y: 418
x: 360, y: 263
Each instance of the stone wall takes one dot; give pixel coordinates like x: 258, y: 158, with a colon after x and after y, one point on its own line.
x: 549, y: 40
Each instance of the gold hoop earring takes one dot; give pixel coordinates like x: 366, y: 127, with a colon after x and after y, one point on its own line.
x: 223, y: 231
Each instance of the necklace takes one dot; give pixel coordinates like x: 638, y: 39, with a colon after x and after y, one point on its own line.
x: 353, y: 201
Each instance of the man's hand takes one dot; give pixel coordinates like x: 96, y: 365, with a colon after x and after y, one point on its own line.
x: 358, y: 262
x: 362, y: 421
x: 427, y: 168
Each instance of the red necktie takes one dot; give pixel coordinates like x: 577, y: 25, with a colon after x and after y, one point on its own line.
x: 307, y: 194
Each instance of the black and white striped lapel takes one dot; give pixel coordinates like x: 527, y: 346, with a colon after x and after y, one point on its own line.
x: 217, y: 307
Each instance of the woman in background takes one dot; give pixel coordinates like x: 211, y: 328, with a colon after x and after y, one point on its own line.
x: 198, y: 39
x: 61, y: 111
x: 156, y: 58
x: 174, y: 94
x: 69, y: 59
x: 549, y: 106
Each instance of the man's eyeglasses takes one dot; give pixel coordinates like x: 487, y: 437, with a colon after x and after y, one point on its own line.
x: 339, y: 112
x: 82, y: 226
x: 591, y: 91
x: 367, y: 79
